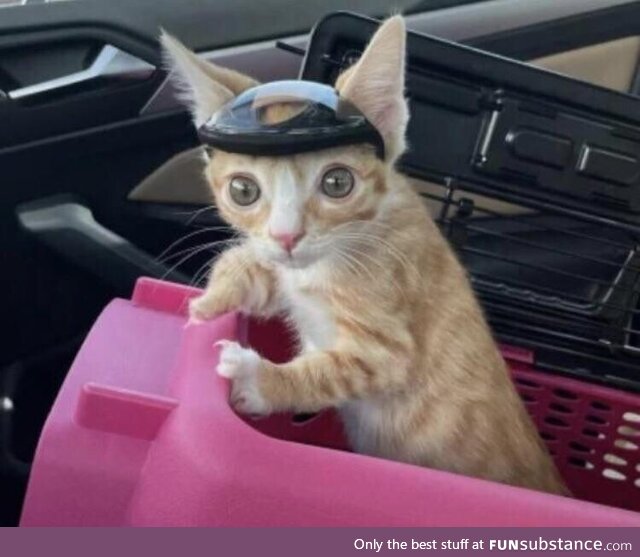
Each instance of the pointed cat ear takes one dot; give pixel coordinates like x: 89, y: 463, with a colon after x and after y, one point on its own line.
x: 204, y: 87
x: 375, y: 84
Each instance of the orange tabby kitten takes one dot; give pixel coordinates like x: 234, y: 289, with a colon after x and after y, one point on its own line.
x: 390, y: 331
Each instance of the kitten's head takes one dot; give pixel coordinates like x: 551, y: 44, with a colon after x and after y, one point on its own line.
x: 298, y: 209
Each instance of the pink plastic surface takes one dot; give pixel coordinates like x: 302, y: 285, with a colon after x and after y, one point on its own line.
x: 142, y: 434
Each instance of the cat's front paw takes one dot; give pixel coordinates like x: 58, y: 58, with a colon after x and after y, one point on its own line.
x: 242, y: 366
x: 202, y: 309
x: 235, y: 361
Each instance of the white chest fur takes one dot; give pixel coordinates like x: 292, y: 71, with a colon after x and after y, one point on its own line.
x: 311, y: 315
x: 315, y: 325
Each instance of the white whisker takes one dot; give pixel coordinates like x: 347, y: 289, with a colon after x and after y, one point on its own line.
x: 191, y: 235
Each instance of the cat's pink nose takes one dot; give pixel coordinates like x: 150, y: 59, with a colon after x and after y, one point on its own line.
x: 288, y: 240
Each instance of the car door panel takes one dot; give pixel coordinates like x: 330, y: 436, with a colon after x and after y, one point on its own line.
x: 612, y: 64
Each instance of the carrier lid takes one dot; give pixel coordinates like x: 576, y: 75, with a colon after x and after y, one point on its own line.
x: 534, y: 178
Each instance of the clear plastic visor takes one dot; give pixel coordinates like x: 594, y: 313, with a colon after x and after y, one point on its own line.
x: 281, y: 101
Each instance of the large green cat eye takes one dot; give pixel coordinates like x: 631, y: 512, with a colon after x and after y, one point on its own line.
x: 337, y: 182
x: 243, y: 190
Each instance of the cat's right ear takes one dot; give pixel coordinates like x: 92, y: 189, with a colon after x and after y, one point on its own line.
x: 375, y: 84
x: 204, y: 87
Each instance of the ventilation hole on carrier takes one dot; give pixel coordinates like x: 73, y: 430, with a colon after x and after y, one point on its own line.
x: 527, y: 383
x: 580, y: 463
x: 593, y: 433
x: 566, y: 395
x: 596, y: 420
x: 625, y: 444
x: 632, y: 417
x: 614, y: 459
x: 601, y: 406
x: 555, y: 422
x: 303, y: 419
x: 628, y: 431
x: 560, y: 408
x: 549, y: 437
x: 580, y: 447
x: 612, y: 474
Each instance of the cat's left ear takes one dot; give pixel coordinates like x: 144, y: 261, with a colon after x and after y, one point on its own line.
x: 375, y: 84
x: 204, y: 86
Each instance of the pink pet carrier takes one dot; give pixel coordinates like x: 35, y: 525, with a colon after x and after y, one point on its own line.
x: 142, y: 434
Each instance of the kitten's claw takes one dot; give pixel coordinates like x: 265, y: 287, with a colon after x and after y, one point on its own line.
x: 192, y: 321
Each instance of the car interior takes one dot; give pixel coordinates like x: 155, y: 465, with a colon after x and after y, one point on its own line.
x: 101, y: 178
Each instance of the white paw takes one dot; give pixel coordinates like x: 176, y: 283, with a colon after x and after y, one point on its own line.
x: 236, y: 361
x: 242, y: 366
x: 200, y: 310
x: 194, y: 309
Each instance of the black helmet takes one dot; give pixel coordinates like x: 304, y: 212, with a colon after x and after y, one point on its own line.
x: 325, y: 120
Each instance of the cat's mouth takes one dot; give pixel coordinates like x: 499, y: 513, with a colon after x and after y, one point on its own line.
x: 296, y: 259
